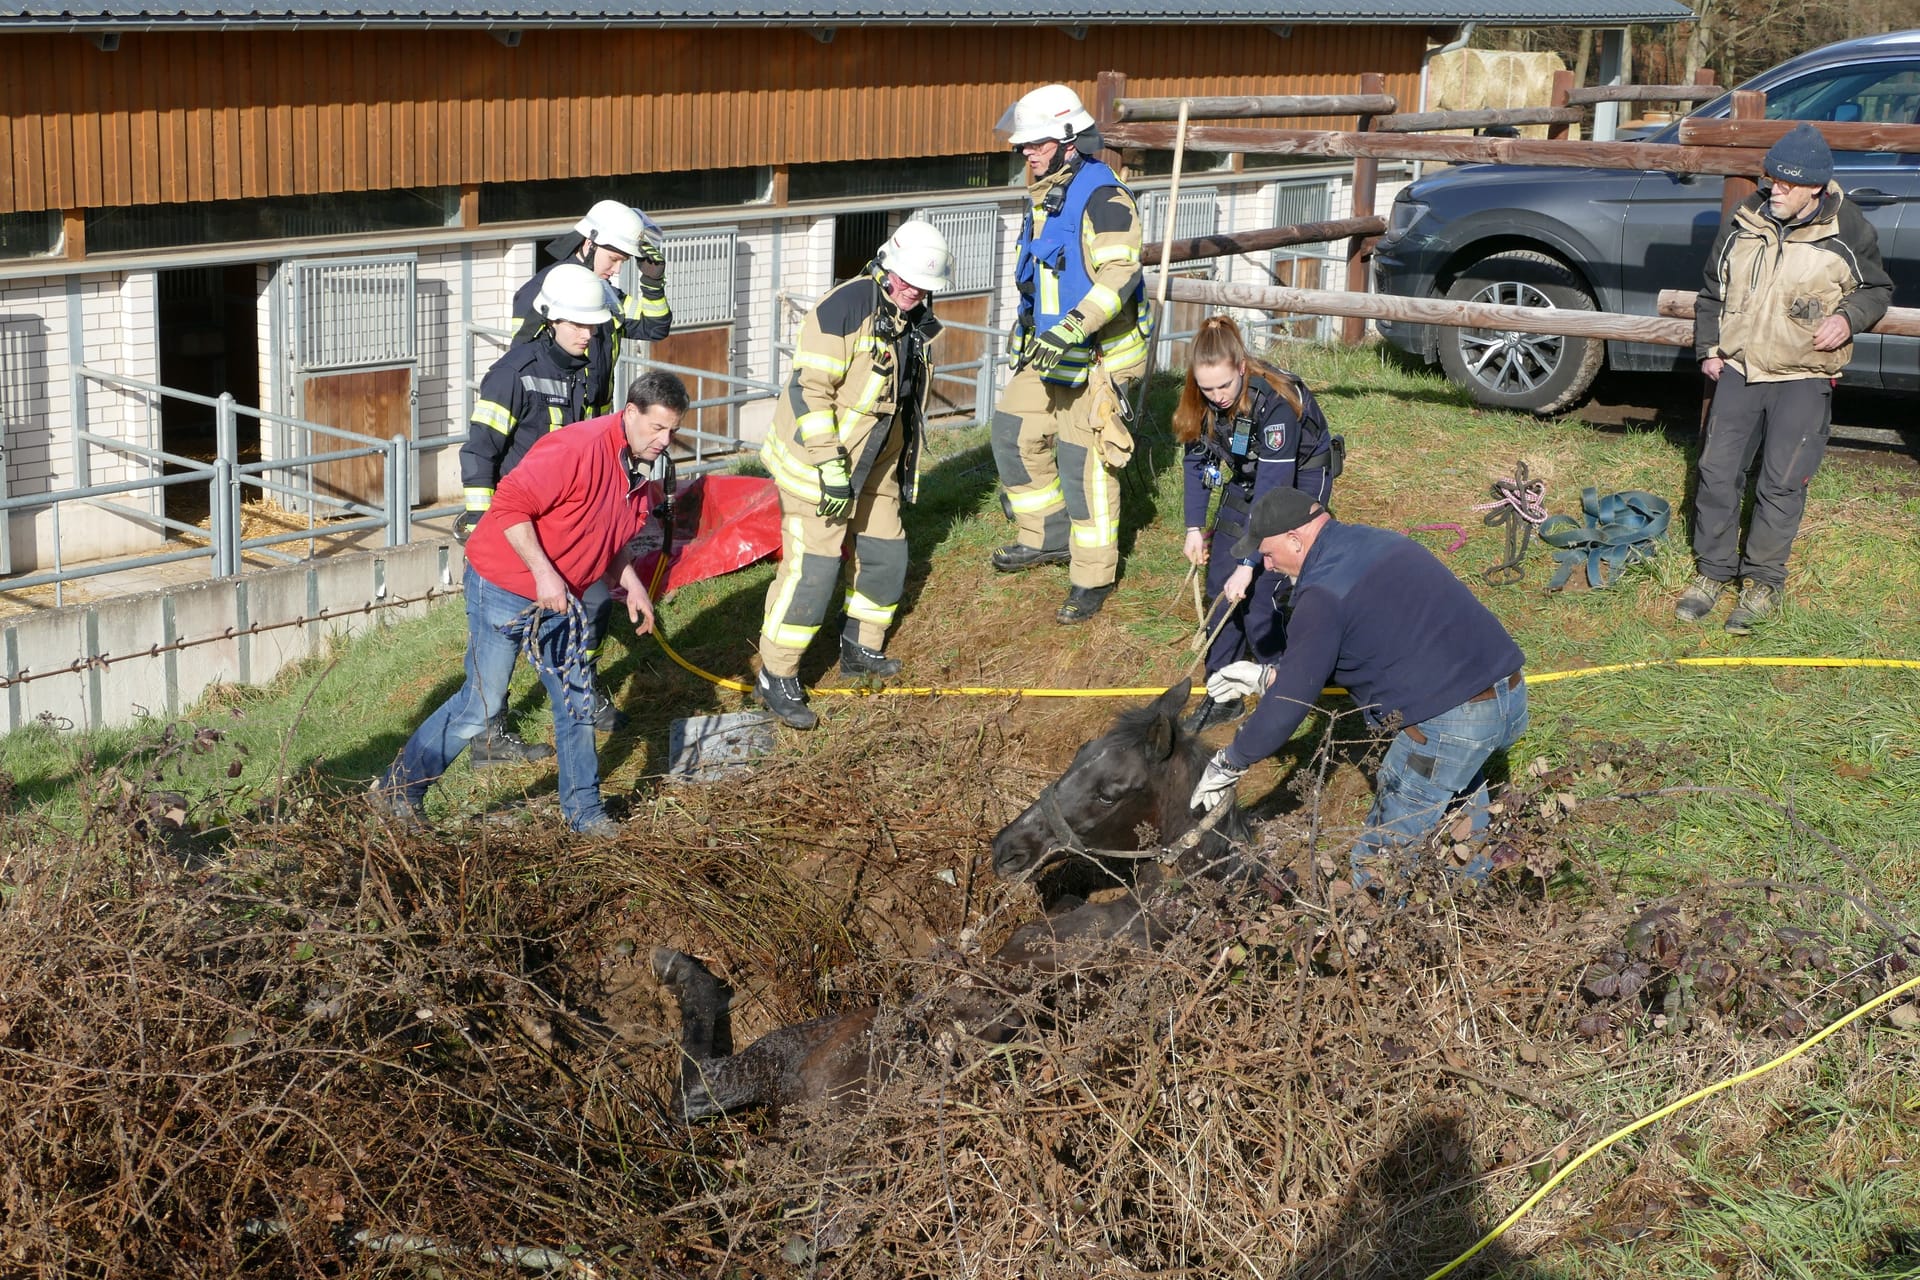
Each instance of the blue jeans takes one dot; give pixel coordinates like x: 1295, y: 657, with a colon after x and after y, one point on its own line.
x: 1420, y: 783
x: 491, y: 653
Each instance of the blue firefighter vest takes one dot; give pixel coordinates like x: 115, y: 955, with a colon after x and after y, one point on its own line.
x: 1051, y: 273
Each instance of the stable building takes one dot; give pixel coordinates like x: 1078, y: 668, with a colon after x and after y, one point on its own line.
x: 224, y: 227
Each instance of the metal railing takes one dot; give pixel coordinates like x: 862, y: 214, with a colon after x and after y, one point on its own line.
x: 982, y: 372
x: 227, y: 478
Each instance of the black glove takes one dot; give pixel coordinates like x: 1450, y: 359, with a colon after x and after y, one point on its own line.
x: 1048, y: 347
x: 464, y: 525
x: 651, y: 265
x: 836, y: 488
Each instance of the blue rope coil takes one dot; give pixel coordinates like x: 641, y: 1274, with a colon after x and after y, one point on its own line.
x: 574, y: 669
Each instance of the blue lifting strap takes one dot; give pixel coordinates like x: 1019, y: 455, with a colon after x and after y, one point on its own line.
x: 1620, y: 529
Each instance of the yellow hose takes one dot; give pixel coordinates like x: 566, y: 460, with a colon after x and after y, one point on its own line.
x: 1567, y: 1170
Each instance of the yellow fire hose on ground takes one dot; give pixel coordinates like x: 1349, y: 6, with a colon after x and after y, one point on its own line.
x: 1547, y: 677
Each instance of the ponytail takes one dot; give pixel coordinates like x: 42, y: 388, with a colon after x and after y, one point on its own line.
x: 1219, y: 342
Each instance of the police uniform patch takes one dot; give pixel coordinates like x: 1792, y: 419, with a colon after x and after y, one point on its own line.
x: 1274, y: 436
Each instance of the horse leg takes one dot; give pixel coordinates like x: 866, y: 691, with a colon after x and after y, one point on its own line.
x: 827, y: 1059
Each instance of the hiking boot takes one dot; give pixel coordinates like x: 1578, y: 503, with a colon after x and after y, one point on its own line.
x: 1210, y: 713
x: 1757, y: 600
x: 393, y: 803
x: 601, y: 828
x: 1082, y: 603
x: 501, y: 745
x: 1697, y: 601
x: 1015, y: 557
x: 783, y: 696
x: 858, y: 660
x: 607, y: 718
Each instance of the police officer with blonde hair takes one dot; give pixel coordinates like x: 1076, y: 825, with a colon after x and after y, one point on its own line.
x: 844, y: 452
x: 1082, y: 329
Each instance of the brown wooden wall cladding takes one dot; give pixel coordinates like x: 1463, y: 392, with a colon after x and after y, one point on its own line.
x: 175, y: 117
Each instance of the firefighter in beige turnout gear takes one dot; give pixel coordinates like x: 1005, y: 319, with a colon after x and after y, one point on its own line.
x: 844, y: 451
x: 1059, y: 432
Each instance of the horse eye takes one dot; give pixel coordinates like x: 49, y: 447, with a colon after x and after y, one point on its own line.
x: 1113, y: 796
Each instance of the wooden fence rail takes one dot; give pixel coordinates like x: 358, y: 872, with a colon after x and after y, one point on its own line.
x: 1422, y: 121
x: 1219, y: 245
x: 1254, y: 108
x: 1466, y: 315
x: 1643, y: 93
x: 1899, y: 322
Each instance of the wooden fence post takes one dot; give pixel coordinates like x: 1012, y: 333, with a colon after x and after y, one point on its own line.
x: 1366, y: 177
x: 1108, y: 88
x: 1748, y: 104
x: 1562, y: 85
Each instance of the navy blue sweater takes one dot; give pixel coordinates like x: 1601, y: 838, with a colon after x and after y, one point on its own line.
x: 1376, y: 613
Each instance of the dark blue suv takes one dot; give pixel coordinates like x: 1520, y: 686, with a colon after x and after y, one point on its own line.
x: 1611, y: 239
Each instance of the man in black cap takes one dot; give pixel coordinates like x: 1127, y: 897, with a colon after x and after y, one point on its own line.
x: 1794, y: 274
x: 1375, y: 612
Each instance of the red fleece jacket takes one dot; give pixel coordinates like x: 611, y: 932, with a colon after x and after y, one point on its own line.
x: 584, y: 504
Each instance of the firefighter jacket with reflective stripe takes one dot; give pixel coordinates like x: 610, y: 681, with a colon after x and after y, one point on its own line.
x: 1768, y: 286
x: 1267, y: 447
x: 860, y: 369
x: 642, y: 317
x: 533, y: 389
x: 1079, y: 253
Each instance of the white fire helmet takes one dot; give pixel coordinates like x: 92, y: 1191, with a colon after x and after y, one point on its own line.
x: 571, y: 292
x: 918, y: 254
x: 1052, y: 111
x: 614, y: 225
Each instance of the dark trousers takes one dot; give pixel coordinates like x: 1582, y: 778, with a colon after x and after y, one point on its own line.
x: 1784, y: 425
x: 1256, y: 627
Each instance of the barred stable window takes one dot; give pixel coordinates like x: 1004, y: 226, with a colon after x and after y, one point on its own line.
x: 352, y: 313
x: 1159, y: 164
x: 221, y: 222
x: 1198, y: 215
x: 700, y: 277
x: 973, y: 237
x: 1295, y: 203
x: 570, y: 198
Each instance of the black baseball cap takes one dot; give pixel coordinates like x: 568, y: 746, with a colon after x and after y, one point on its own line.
x: 1275, y: 511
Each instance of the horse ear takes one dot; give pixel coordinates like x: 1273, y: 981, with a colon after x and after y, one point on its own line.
x: 1174, y: 700
x: 1161, y: 737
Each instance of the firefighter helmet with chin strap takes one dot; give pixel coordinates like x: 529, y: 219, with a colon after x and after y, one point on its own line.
x: 1053, y: 112
x: 615, y: 226
x: 571, y: 292
x: 918, y: 254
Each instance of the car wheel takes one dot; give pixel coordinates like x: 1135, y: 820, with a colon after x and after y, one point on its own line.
x: 1507, y: 369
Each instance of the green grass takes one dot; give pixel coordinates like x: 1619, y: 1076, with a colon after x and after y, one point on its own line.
x: 1838, y: 747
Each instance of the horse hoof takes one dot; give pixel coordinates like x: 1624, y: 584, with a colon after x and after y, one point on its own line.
x: 673, y: 967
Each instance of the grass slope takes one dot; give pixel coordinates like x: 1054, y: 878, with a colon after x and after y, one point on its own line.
x: 1822, y: 1184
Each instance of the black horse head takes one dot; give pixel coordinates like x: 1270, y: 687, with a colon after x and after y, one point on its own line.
x: 1140, y: 773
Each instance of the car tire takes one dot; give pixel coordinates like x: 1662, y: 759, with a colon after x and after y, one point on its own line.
x: 1537, y: 373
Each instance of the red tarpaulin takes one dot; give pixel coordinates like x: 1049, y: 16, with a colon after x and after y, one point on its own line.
x: 720, y: 523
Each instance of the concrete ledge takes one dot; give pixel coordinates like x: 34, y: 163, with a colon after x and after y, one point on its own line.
x: 156, y: 653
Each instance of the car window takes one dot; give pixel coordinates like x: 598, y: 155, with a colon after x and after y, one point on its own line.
x: 1871, y: 93
x: 1879, y: 93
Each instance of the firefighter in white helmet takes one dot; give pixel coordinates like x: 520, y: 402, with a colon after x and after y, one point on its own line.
x: 844, y: 451
x: 1059, y: 436
x: 602, y: 242
x: 537, y: 387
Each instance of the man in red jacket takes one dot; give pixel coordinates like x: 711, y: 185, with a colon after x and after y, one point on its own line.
x: 560, y: 521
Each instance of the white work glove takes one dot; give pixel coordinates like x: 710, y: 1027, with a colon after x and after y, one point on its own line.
x: 1217, y: 783
x: 1237, y: 680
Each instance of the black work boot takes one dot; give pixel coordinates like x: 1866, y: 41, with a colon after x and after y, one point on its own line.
x: 607, y: 718
x: 501, y: 745
x: 1209, y: 713
x: 1082, y: 603
x: 858, y: 660
x: 784, y: 696
x: 1016, y: 556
